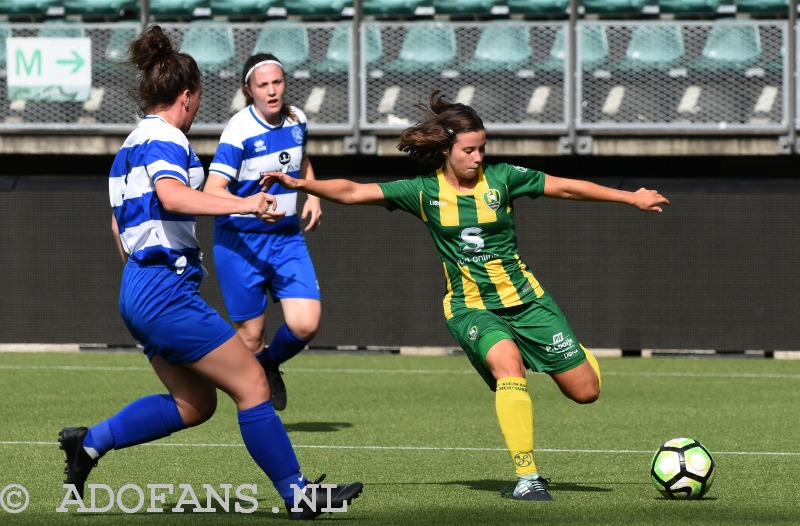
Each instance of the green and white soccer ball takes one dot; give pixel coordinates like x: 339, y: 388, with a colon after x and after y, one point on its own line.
x: 682, y: 468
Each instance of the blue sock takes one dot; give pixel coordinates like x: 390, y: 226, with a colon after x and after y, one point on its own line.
x: 284, y: 345
x: 269, y: 445
x: 143, y: 420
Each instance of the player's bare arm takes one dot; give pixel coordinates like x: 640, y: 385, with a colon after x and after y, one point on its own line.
x: 342, y: 191
x: 563, y: 188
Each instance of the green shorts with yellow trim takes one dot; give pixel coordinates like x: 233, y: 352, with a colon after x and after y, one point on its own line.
x: 540, y: 330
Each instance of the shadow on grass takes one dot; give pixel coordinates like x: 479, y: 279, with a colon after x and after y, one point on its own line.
x: 317, y: 427
x: 505, y: 488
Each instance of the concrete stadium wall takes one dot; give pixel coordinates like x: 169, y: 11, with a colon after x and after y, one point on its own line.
x: 715, y: 271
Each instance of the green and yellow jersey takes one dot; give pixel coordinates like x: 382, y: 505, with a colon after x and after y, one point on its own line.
x: 475, y: 233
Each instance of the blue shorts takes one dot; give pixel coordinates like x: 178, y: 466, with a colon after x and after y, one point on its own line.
x: 163, y: 310
x: 250, y: 264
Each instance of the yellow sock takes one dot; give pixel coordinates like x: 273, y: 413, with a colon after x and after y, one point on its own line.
x: 593, y: 362
x: 515, y: 415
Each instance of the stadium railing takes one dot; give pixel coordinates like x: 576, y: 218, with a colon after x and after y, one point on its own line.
x: 640, y: 74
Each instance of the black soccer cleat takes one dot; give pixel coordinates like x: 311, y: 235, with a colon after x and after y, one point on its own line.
x: 277, y: 388
x: 532, y: 490
x: 78, y: 463
x: 327, y: 500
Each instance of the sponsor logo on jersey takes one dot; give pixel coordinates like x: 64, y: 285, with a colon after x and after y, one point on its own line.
x: 259, y: 145
x: 284, y: 158
x: 492, y: 199
x: 434, y: 202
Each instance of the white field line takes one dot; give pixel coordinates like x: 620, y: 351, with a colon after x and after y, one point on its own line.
x: 104, y: 368
x: 430, y: 448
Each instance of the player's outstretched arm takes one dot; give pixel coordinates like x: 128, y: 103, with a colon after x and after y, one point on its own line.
x: 643, y: 199
x: 341, y: 191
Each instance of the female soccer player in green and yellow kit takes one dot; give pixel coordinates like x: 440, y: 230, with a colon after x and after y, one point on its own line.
x: 495, y: 308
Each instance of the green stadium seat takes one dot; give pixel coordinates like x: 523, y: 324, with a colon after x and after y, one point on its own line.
x: 763, y: 7
x: 338, y: 56
x: 538, y: 7
x: 99, y: 8
x: 594, y: 50
x: 503, y: 46
x: 730, y: 46
x: 179, y: 8
x: 116, y: 52
x: 395, y: 8
x: 689, y: 7
x: 5, y: 32
x: 61, y: 28
x: 653, y: 48
x: 286, y: 40
x: 466, y: 7
x: 316, y: 8
x: 210, y: 44
x: 426, y: 47
x: 244, y: 8
x: 31, y: 8
x: 614, y: 7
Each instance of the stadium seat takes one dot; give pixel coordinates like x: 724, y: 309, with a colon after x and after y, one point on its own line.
x: 538, y: 7
x: 244, y: 8
x: 763, y: 7
x: 210, y: 44
x: 5, y: 32
x: 286, y: 40
x: 426, y: 47
x: 614, y: 7
x: 116, y: 52
x: 503, y: 46
x: 689, y: 7
x: 653, y: 48
x: 594, y: 50
x: 730, y: 46
x: 316, y: 8
x: 179, y: 8
x: 61, y: 28
x: 338, y: 55
x: 466, y: 7
x: 31, y: 8
x: 395, y: 8
x: 99, y: 8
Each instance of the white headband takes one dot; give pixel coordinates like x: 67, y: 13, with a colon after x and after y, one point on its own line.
x: 262, y: 63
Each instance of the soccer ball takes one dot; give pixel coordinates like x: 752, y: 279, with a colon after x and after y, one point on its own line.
x: 682, y: 468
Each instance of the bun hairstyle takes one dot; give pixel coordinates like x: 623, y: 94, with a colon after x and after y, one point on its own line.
x: 163, y: 72
x: 427, y: 141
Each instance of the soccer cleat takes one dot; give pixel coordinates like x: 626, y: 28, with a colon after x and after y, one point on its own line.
x: 276, y: 386
x: 532, y: 489
x: 78, y: 462
x: 327, y: 500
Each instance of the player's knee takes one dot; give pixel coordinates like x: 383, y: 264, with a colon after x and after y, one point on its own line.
x: 587, y: 395
x: 198, y: 410
x: 305, y: 330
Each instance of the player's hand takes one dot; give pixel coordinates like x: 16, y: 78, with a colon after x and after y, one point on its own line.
x: 313, y: 211
x: 258, y: 204
x: 285, y: 180
x: 649, y: 200
x: 272, y: 216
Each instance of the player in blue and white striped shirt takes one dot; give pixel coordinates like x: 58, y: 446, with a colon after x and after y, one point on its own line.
x: 154, y: 194
x: 253, y: 258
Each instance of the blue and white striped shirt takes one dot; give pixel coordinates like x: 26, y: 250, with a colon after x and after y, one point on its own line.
x: 250, y: 147
x: 150, y: 234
